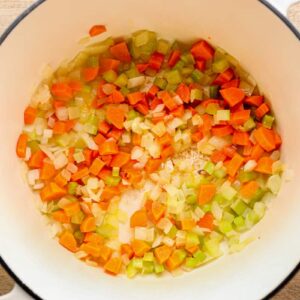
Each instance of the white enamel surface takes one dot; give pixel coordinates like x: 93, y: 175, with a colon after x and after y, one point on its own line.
x: 247, y: 30
x: 282, y: 5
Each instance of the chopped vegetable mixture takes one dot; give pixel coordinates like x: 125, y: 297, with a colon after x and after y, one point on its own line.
x: 150, y: 156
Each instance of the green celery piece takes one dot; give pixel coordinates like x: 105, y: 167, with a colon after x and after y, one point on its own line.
x: 93, y: 61
x: 148, y: 257
x: 110, y: 76
x: 197, y: 75
x: 158, y: 268
x: 225, y: 227
x: 209, y: 167
x: 86, y: 89
x: 63, y: 140
x: 199, y: 255
x: 249, y: 124
x: 268, y: 121
x: 107, y: 230
x: 187, y: 71
x: 220, y: 199
x: 227, y: 216
x: 191, y: 262
x: 132, y: 114
x: 239, y: 207
x: 212, y: 246
x: 246, y: 176
x: 257, y: 196
x: 206, y: 207
x: 212, y: 108
x: 137, y: 263
x: 148, y: 267
x: 219, y: 173
x: 115, y: 171
x: 191, y: 199
x: 181, y: 254
x: 192, y: 239
x: 253, y: 217
x: 163, y: 46
x: 131, y: 271
x: 214, y: 91
x: 132, y: 72
x: 223, y: 115
x: 112, y: 181
x: 77, y: 218
x: 171, y: 87
x: 91, y: 129
x: 196, y: 94
x: 72, y: 186
x: 220, y: 65
x: 79, y: 236
x: 187, y: 59
x: 160, y: 82
x: 141, y: 38
x: 33, y: 145
x: 239, y: 222
x: 173, y: 77
x: 172, y: 233
x: 124, y: 90
x: 100, y: 114
x: 179, y: 65
x: 121, y: 81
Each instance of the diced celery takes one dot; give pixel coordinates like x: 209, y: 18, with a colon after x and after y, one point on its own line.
x: 191, y: 240
x: 173, y: 77
x: 132, y: 72
x: 121, y: 81
x: 213, y: 247
x: 91, y: 129
x: 110, y: 76
x: 227, y: 216
x: 72, y: 186
x: 274, y: 183
x: 206, y: 207
x: 148, y: 257
x: 131, y: 271
x: 252, y: 217
x: 86, y: 89
x: 124, y: 90
x: 141, y: 38
x: 34, y: 146
x: 228, y: 192
x: 191, y: 262
x: 148, y: 267
x: 187, y: 58
x: 268, y: 121
x: 199, y: 255
x: 171, y: 87
x: 107, y: 230
x: 197, y: 75
x: 115, y: 171
x: 160, y: 82
x: 239, y: 207
x: 181, y: 254
x: 132, y: 114
x: 112, y: 180
x: 220, y: 65
x: 209, y: 167
x: 225, y: 226
x: 179, y: 65
x: 239, y: 222
x: 163, y: 46
x: 191, y: 199
x: 196, y: 94
x: 219, y: 173
x: 93, y: 61
x: 77, y: 218
x: 172, y: 233
x: 187, y: 71
x: 158, y: 268
x: 257, y: 196
x: 74, y: 112
x: 249, y: 124
x: 220, y: 199
x: 214, y: 91
x: 63, y: 140
x: 212, y: 108
x: 78, y: 236
x: 222, y: 115
x: 246, y: 176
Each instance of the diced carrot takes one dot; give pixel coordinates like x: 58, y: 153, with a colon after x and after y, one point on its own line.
x: 93, y: 238
x: 174, y: 261
x: 62, y: 91
x: 247, y: 150
x: 277, y: 139
x: 262, y: 110
x: 75, y: 85
x: 47, y: 171
x: 264, y: 165
x: 140, y: 248
x: 115, y: 115
x: 152, y: 92
x: 126, y: 249
x: 158, y: 210
x: 103, y: 127
x: 178, y: 112
x: 156, y: 60
x: 60, y: 180
x: 120, y: 51
x: 90, y: 73
x: 200, y: 64
x: 234, y: 164
x: 188, y: 224
x: 29, y: 115
x: 217, y: 156
x: 59, y: 127
x: 239, y: 117
x: 257, y: 152
x: 72, y: 208
x: 207, y: 221
x: 207, y: 123
x: 91, y: 248
x: 167, y: 152
x: 232, y: 96
x: 165, y: 140
x: 88, y: 156
x: 113, y: 266
x: 52, y: 192
x: 88, y: 224
x: 108, y: 147
x: 68, y: 240
x: 192, y: 249
x: 265, y: 138
x: 240, y: 138
x: 107, y: 159
x: 115, y: 133
x: 197, y: 136
x: 104, y: 173
x: 183, y: 92
x: 142, y: 107
x: 106, y: 64
x: 57, y: 104
x: 142, y: 67
x: 99, y: 139
x: 254, y: 100
x: 139, y: 218
x: 153, y: 165
x: 162, y: 253
x: 168, y: 101
x: 174, y: 58
x: 60, y: 216
x: 135, y: 97
x: 117, y: 97
x: 222, y: 130
x: 104, y: 254
x: 224, y: 77
x: 21, y: 145
x: 109, y: 192
x: 80, y: 174
x: 36, y: 160
x: 70, y: 155
x: 249, y: 189
x: 232, y: 83
x: 120, y: 159
x: 202, y: 50
x: 206, y: 193
x: 136, y: 139
x: 229, y: 151
x: 96, y: 30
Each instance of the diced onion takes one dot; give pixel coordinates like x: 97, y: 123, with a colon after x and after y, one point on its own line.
x: 60, y: 161
x: 135, y: 82
x: 62, y: 113
x: 250, y: 165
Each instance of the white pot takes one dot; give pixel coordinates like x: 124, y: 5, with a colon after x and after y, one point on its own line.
x: 247, y: 29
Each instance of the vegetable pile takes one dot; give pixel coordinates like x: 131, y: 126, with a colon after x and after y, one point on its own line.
x: 182, y: 124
